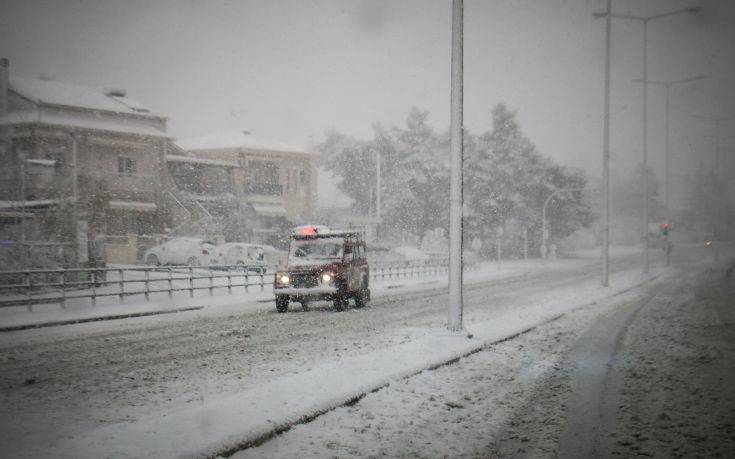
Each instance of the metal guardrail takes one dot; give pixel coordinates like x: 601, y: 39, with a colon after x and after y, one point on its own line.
x: 44, y: 286
x: 47, y: 286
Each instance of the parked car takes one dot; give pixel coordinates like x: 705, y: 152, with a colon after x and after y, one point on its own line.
x: 253, y: 257
x: 324, y: 265
x: 410, y: 255
x: 184, y: 251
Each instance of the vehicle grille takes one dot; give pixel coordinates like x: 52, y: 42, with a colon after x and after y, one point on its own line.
x: 304, y: 280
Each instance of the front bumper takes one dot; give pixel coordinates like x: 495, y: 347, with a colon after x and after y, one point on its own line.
x: 308, y: 293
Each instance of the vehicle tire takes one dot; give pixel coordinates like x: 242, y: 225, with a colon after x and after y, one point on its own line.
x: 340, y: 303
x: 362, y: 298
x: 152, y: 260
x: 305, y: 306
x: 193, y: 261
x: 282, y: 303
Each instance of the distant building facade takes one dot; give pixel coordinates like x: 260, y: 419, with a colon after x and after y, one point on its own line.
x: 256, y: 188
x: 84, y: 163
x: 79, y: 163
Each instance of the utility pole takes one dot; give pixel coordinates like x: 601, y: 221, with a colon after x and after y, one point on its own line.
x: 455, y: 187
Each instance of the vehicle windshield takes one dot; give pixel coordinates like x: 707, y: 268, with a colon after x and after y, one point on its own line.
x: 309, y: 251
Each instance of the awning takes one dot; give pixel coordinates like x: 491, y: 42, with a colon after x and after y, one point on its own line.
x: 133, y: 205
x: 17, y: 205
x: 42, y: 162
x: 269, y: 209
x: 13, y: 214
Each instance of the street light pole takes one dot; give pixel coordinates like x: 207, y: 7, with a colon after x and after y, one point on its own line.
x: 544, y: 230
x: 645, y: 20
x: 646, y: 261
x: 717, y: 121
x: 455, y: 186
x: 667, y: 85
x: 605, y: 255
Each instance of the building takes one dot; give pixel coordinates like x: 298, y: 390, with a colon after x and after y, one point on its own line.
x: 80, y: 163
x: 254, y: 188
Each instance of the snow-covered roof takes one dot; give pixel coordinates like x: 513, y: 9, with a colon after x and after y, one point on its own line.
x: 127, y: 126
x: 203, y: 161
x: 74, y: 95
x: 225, y: 140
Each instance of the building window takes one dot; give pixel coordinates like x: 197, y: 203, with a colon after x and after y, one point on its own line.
x: 302, y: 179
x: 58, y: 158
x: 125, y: 166
x: 263, y: 178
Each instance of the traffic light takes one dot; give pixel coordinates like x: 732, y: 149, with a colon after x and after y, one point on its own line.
x: 664, y: 231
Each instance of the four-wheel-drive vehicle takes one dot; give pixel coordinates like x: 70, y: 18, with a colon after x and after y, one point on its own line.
x: 324, y: 264
x: 184, y: 251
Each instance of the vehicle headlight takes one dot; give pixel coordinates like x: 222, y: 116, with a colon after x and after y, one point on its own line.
x: 284, y: 279
x: 326, y: 278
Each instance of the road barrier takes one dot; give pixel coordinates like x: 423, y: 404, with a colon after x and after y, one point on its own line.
x: 47, y: 286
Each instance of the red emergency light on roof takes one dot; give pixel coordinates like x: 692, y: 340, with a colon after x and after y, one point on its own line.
x: 308, y: 231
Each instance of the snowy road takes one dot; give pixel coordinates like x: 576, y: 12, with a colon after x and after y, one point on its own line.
x: 61, y: 382
x: 649, y: 374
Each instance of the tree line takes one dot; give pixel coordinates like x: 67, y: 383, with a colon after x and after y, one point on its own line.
x: 506, y: 181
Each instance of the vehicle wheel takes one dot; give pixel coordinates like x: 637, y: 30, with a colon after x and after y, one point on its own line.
x: 340, y: 303
x: 305, y: 305
x: 193, y: 261
x: 362, y: 298
x: 152, y: 260
x: 282, y: 303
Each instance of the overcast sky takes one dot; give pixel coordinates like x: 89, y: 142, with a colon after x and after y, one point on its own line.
x: 292, y: 69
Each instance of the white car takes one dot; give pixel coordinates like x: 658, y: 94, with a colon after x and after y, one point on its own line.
x: 256, y: 257
x: 410, y: 255
x: 184, y: 251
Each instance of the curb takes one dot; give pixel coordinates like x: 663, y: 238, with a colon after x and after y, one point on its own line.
x: 96, y: 319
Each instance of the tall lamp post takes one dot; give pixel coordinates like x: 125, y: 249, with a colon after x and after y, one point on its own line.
x: 454, y: 322
x: 718, y: 120
x: 645, y: 20
x: 668, y: 85
x: 544, y: 229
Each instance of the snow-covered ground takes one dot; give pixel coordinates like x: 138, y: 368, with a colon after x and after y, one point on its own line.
x: 670, y: 394
x: 205, y: 381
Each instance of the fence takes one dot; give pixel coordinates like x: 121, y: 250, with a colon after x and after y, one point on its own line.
x: 31, y: 287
